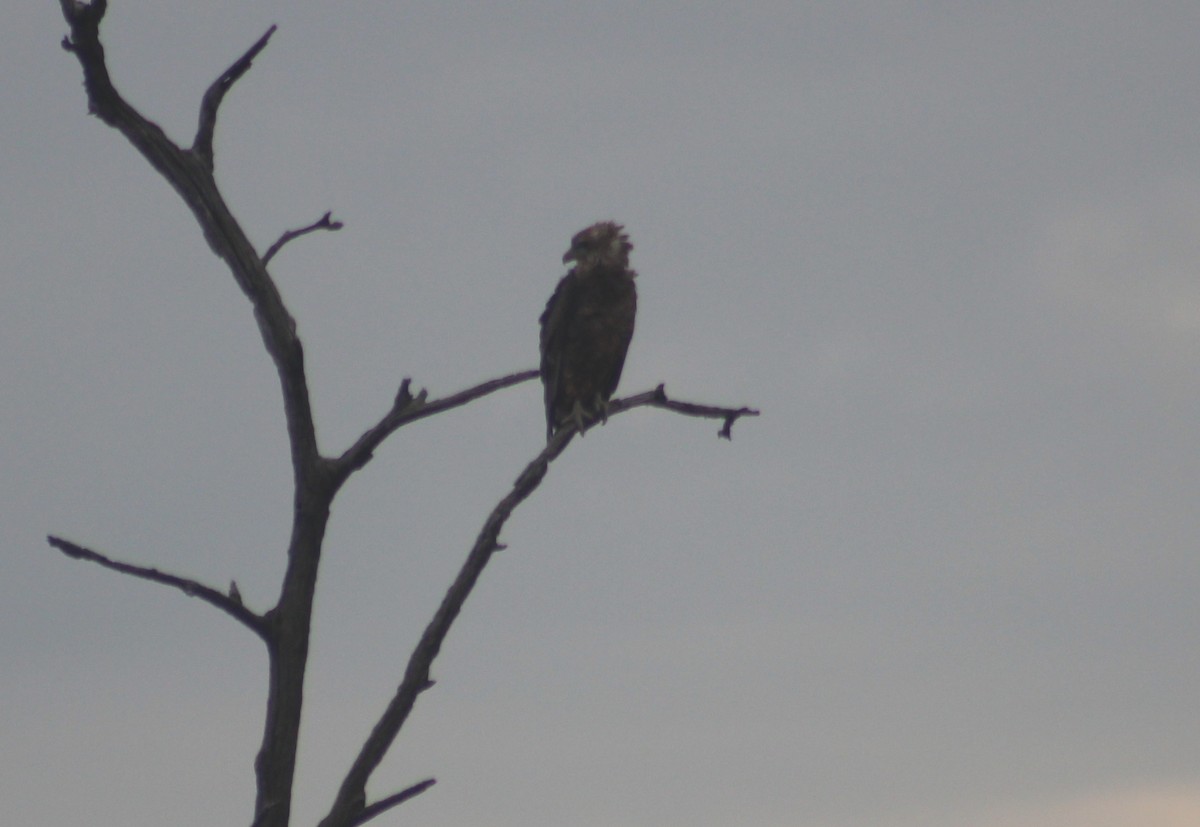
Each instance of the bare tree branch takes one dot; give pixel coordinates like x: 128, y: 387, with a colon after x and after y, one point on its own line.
x: 263, y: 814
x: 196, y: 186
x: 384, y: 804
x: 657, y: 398
x: 322, y: 224
x: 408, y: 409
x: 191, y: 588
x: 416, y: 675
x: 191, y: 175
x: 202, y: 146
x: 286, y: 626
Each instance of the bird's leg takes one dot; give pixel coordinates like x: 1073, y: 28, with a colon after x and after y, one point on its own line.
x: 577, y: 416
x: 601, y: 406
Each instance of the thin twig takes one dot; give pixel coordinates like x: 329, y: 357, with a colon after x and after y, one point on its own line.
x: 657, y: 398
x: 406, y: 409
x: 203, y: 143
x: 384, y: 804
x: 324, y: 223
x: 191, y: 588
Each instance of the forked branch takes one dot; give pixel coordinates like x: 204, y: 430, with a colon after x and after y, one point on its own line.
x: 203, y: 143
x: 408, y: 408
x: 381, y: 806
x: 190, y: 173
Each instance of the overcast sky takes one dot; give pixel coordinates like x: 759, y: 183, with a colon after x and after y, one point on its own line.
x: 949, y: 577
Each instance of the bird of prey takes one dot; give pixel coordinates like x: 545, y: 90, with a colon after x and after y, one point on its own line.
x: 586, y: 328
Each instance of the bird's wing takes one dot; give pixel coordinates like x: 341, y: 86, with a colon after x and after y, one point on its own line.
x: 623, y: 336
x: 553, y: 336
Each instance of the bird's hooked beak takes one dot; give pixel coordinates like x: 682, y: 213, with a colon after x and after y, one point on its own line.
x: 571, y: 255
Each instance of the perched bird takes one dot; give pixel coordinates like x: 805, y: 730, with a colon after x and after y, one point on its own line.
x: 586, y: 328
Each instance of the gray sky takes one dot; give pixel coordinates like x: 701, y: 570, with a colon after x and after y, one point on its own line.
x: 949, y: 577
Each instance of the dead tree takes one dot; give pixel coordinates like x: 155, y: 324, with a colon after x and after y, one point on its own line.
x: 317, y: 477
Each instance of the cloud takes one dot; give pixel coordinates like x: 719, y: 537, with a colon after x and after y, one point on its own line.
x: 1152, y: 805
x: 1129, y: 263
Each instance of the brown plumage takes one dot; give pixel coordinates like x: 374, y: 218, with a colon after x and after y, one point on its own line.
x: 586, y: 328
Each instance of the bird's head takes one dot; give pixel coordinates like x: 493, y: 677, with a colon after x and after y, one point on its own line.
x: 603, y: 243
